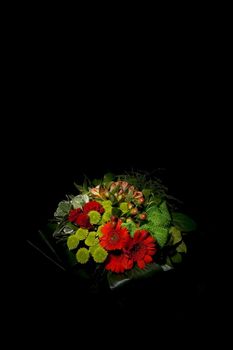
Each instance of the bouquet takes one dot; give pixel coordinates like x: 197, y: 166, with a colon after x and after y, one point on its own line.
x: 118, y: 229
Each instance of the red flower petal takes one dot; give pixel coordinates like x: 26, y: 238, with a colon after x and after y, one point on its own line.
x: 114, y: 238
x: 83, y: 221
x: 141, y: 248
x: 116, y: 263
x: 93, y: 205
x: 73, y: 214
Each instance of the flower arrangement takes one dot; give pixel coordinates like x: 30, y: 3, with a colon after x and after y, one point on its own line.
x: 124, y: 227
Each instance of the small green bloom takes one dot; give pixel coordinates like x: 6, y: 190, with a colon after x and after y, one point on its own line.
x: 99, y: 232
x: 82, y: 255
x: 72, y: 242
x: 124, y: 207
x: 81, y: 233
x: 91, y: 239
x: 107, y: 216
x: 100, y: 254
x: 107, y: 204
x: 93, y: 248
x: 94, y: 216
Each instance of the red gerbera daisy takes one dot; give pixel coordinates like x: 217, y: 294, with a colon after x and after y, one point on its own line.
x: 93, y: 205
x: 114, y: 236
x: 141, y: 248
x: 116, y: 263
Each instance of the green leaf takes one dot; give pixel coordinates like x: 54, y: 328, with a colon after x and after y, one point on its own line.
x: 182, y: 248
x: 79, y: 201
x: 131, y: 227
x: 159, y: 233
x: 177, y: 258
x: 108, y: 178
x: 160, y: 216
x: 112, y: 198
x: 183, y: 222
x: 164, y: 209
x: 176, y: 235
x: 62, y: 209
x: 146, y: 192
x: 96, y: 182
x: 116, y: 212
x: 116, y: 280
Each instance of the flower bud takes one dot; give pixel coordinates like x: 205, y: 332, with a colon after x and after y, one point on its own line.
x: 130, y: 205
x: 141, y: 200
x: 134, y: 211
x: 143, y: 216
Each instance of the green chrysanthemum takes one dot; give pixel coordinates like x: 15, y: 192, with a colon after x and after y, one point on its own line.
x: 100, y: 254
x: 82, y: 255
x: 91, y: 239
x: 72, y: 242
x: 124, y: 207
x: 93, y: 248
x: 99, y: 232
x: 81, y: 233
x: 94, y: 216
x: 107, y: 204
x: 107, y: 215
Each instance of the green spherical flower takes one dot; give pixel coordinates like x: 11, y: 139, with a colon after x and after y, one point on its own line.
x: 93, y: 248
x: 124, y: 207
x: 107, y: 215
x: 82, y: 255
x: 99, y: 232
x: 81, y: 233
x: 107, y: 204
x: 72, y: 242
x: 100, y: 254
x: 91, y: 239
x: 94, y: 216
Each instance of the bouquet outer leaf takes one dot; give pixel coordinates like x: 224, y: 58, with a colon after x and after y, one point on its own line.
x: 116, y: 280
x: 183, y: 222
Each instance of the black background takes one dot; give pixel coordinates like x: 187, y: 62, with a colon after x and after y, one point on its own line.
x: 87, y: 100
x: 116, y: 124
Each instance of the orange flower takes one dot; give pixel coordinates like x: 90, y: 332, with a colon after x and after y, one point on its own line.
x: 117, y: 263
x: 141, y: 248
x: 114, y: 236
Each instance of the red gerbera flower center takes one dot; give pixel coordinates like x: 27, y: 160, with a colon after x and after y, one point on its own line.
x: 114, y: 237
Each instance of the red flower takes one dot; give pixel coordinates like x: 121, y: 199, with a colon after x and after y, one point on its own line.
x: 114, y: 236
x: 93, y: 205
x: 73, y: 214
x: 141, y: 248
x: 117, y: 263
x: 83, y: 221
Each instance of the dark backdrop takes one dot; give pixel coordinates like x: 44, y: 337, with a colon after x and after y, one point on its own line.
x: 69, y: 136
